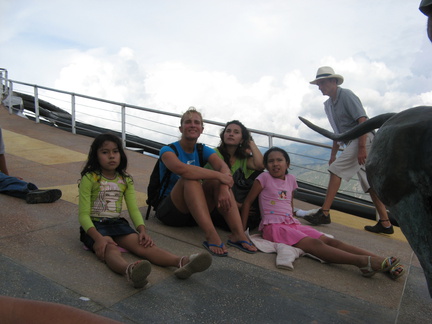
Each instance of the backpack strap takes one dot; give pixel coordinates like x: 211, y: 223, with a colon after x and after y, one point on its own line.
x: 164, y: 182
x: 167, y: 175
x: 200, y: 149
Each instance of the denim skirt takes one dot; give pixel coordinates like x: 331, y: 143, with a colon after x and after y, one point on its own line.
x: 107, y: 227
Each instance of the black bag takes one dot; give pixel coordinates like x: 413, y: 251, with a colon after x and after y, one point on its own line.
x: 242, y: 186
x: 240, y: 189
x: 156, y: 188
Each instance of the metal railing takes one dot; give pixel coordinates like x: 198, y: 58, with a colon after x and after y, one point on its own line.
x: 308, y: 158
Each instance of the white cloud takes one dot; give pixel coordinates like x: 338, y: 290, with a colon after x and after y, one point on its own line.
x: 248, y: 59
x: 96, y: 73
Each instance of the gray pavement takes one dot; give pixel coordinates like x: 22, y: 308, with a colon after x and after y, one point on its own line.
x: 41, y: 257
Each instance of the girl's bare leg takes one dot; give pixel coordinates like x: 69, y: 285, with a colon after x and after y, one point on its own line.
x: 154, y: 254
x: 345, y: 247
x: 188, y: 196
x: 115, y: 260
x: 231, y: 216
x: 332, y: 254
x: 233, y: 219
x: 135, y: 272
x: 187, y: 265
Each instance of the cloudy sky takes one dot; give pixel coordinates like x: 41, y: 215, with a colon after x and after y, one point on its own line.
x: 250, y: 60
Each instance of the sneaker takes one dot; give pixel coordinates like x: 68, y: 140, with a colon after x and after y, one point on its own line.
x: 318, y: 218
x: 378, y: 228
x: 43, y: 196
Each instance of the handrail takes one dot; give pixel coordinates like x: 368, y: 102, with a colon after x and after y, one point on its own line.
x: 125, y: 105
x: 123, y: 109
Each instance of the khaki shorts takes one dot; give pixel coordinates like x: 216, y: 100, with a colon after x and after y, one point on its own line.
x: 346, y: 165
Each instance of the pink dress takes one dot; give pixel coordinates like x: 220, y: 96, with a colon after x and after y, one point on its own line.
x: 277, y: 223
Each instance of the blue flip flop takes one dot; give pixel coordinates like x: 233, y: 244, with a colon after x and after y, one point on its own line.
x: 207, y: 246
x: 239, y: 246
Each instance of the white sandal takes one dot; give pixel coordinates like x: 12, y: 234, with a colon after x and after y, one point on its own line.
x: 387, y: 264
x: 368, y: 271
x: 197, y: 263
x: 138, y: 272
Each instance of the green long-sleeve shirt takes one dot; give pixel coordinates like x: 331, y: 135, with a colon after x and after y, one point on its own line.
x: 100, y: 197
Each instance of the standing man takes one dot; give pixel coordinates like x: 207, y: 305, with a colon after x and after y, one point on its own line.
x: 344, y: 111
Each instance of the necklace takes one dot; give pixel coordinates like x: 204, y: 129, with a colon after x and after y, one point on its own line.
x: 109, y: 178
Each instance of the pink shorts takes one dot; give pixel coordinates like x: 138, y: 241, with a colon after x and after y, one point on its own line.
x: 289, y: 234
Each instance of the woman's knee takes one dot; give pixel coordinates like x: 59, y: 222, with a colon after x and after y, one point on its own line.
x: 189, y: 183
x: 183, y: 184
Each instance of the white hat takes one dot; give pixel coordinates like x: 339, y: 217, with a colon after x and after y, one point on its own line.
x: 326, y: 72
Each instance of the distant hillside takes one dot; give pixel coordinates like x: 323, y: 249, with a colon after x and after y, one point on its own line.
x: 310, y: 163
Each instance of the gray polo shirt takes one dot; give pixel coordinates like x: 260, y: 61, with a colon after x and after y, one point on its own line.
x: 346, y: 110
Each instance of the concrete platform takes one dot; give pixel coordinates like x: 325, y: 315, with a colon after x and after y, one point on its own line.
x: 41, y: 257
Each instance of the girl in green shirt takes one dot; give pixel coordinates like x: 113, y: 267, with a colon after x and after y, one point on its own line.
x: 103, y: 186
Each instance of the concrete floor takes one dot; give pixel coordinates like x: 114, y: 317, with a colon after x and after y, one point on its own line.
x: 41, y: 257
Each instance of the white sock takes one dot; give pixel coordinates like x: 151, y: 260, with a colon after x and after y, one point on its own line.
x: 303, y: 213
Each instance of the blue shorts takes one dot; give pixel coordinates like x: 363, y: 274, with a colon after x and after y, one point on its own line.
x: 107, y: 227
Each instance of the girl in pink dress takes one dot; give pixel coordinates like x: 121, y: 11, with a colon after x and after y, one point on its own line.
x: 274, y: 190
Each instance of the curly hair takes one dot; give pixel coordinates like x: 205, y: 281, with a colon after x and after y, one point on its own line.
x: 242, y: 150
x: 93, y: 165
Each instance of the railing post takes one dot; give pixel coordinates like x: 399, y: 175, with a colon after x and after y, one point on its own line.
x: 73, y: 114
x: 36, y: 103
x: 4, y: 82
x: 123, y: 124
x: 10, y: 96
x: 270, y: 138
